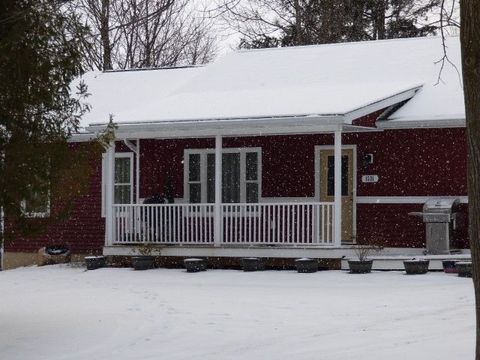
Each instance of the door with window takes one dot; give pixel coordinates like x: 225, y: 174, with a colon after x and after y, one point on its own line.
x: 240, y: 176
x: 327, y: 187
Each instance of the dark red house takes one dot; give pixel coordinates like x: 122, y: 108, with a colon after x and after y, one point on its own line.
x: 302, y: 151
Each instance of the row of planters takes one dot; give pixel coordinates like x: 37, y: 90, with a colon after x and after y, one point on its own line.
x: 303, y: 265
x: 415, y: 266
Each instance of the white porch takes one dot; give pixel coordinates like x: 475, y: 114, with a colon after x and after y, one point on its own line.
x: 220, y: 224
x: 313, y: 224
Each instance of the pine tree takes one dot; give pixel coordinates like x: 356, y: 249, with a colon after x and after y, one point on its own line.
x: 39, y: 58
x: 271, y: 23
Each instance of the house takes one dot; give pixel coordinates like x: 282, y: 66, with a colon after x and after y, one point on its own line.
x: 281, y: 153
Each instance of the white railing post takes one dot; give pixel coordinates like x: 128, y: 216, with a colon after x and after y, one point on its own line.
x: 218, y: 191
x: 338, y: 188
x: 109, y: 194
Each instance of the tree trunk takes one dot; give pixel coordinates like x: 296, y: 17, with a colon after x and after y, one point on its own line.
x: 379, y: 10
x: 105, y: 35
x: 470, y: 42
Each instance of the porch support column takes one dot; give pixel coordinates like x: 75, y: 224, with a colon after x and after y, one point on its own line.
x: 338, y: 188
x: 218, y: 191
x: 109, y: 194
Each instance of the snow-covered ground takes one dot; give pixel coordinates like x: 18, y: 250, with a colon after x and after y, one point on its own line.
x: 61, y: 312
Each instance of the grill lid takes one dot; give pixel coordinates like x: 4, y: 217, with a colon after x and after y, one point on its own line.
x: 440, y: 205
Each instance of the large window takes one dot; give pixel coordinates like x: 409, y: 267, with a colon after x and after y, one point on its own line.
x: 240, y: 175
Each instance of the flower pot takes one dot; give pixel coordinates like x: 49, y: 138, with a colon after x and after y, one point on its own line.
x: 94, y: 262
x: 449, y: 266
x: 306, y: 265
x: 252, y: 264
x: 360, y: 266
x: 416, y: 267
x: 195, y: 265
x: 464, y: 268
x: 143, y: 262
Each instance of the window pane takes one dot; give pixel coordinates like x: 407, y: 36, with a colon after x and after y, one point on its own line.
x: 211, y: 178
x: 195, y: 194
x: 122, y: 194
x: 331, y: 176
x: 231, y: 178
x: 194, y: 167
x: 122, y: 170
x: 252, y: 166
x: 38, y: 203
x: 252, y: 192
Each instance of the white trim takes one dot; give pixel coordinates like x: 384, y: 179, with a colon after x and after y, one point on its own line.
x: 203, y: 171
x: 279, y: 199
x: 318, y: 149
x: 337, y: 233
x: 421, y: 123
x: 405, y: 199
x: 218, y: 187
x: 121, y: 155
x: 137, y: 170
x: 109, y: 193
x: 104, y: 178
x: 296, y: 124
x: 382, y: 104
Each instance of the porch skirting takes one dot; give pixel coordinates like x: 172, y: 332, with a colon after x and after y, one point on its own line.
x: 256, y: 251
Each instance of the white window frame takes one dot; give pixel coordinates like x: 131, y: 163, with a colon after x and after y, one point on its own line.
x: 104, y: 184
x: 203, y: 171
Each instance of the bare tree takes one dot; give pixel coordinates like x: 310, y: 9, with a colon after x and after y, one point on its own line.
x: 145, y: 33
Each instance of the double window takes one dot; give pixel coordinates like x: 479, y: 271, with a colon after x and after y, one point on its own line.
x: 240, y: 175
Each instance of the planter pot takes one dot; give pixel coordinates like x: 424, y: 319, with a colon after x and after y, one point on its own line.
x: 360, y: 266
x: 449, y: 266
x: 252, y: 264
x: 306, y: 265
x: 143, y: 262
x: 94, y: 262
x: 416, y: 267
x: 464, y: 268
x: 195, y: 265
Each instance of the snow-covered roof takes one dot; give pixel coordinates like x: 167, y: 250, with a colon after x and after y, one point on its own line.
x: 118, y: 92
x: 322, y: 80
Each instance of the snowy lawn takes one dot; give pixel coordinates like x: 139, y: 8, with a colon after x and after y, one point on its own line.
x: 61, y: 312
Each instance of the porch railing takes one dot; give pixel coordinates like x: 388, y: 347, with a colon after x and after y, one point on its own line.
x: 259, y: 223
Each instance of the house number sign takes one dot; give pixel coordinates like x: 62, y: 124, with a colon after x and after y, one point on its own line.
x: 370, y: 178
